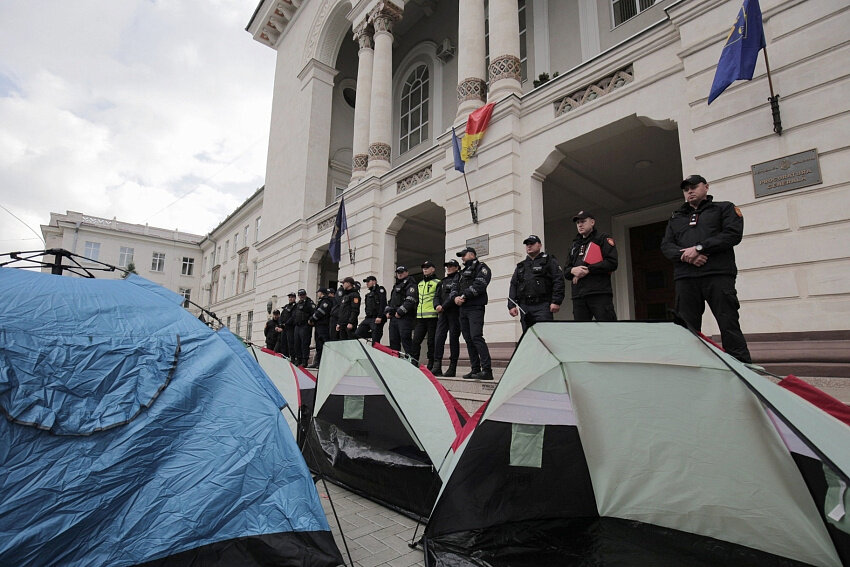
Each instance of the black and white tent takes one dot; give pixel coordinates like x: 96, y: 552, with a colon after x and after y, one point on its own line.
x: 641, y: 444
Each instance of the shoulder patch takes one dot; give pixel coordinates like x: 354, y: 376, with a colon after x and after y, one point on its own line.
x: 411, y: 290
x: 484, y: 271
x: 738, y: 212
x: 610, y: 241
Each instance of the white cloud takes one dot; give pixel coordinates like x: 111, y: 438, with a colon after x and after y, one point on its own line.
x: 119, y: 109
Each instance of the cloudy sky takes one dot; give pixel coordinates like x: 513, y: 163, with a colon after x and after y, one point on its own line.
x: 146, y: 110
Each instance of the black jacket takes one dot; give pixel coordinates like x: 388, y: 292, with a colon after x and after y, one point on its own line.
x: 538, y: 280
x: 443, y: 295
x: 302, y: 312
x: 323, y: 310
x: 286, y: 314
x: 474, y: 279
x: 599, y: 279
x: 404, y: 298
x: 717, y: 225
x: 270, y: 333
x: 349, y: 307
x: 375, y: 302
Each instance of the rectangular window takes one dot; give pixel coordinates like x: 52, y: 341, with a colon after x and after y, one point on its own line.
x: 217, y: 255
x: 186, y: 292
x: 188, y: 266
x: 125, y: 257
x: 226, y: 250
x: 92, y: 250
x: 254, y: 275
x: 628, y: 9
x: 158, y: 262
x: 245, y: 240
x: 257, y: 229
x: 235, y: 243
x: 238, y: 323
x: 228, y: 321
x: 223, y: 287
x: 232, y: 283
x: 249, y: 324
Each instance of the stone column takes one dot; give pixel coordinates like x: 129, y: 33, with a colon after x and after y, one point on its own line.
x: 381, y: 105
x: 360, y: 146
x: 505, y: 72
x: 471, y: 57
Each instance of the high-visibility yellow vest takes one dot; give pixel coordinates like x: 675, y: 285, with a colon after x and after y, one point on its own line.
x: 427, y: 289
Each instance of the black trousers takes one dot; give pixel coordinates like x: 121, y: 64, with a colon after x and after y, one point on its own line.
x: 286, y: 341
x: 425, y: 327
x: 323, y: 334
x: 346, y: 333
x: 401, y: 333
x: 448, y: 324
x: 472, y: 328
x: 598, y: 306
x: 302, y: 343
x: 368, y: 329
x: 719, y: 292
x: 534, y: 313
x: 334, y: 334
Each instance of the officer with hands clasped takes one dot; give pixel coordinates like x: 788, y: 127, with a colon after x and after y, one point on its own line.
x: 401, y: 311
x: 699, y: 241
x: 300, y: 315
x: 471, y: 297
x: 349, y: 309
x: 374, y: 305
x: 593, y: 257
x: 448, y: 321
x: 537, y: 286
x: 319, y: 320
x: 426, y: 314
x: 286, y: 328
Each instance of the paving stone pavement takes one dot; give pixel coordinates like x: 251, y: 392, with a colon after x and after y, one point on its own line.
x: 376, y: 536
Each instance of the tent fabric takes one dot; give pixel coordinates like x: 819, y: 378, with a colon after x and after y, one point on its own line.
x: 294, y: 383
x: 95, y: 470
x: 836, y: 408
x: 643, y: 425
x: 381, y: 427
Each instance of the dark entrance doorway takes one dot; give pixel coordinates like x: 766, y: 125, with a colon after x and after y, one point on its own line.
x: 652, y: 273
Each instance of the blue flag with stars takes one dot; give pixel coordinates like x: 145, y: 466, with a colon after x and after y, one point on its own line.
x: 340, y: 226
x: 745, y: 40
x: 459, y: 163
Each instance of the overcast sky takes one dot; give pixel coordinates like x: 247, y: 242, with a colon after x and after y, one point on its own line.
x: 119, y: 108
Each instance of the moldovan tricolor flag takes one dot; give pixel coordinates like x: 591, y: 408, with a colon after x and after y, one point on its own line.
x: 476, y: 124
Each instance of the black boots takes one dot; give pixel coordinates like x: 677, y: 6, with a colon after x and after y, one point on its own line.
x: 437, y: 368
x: 486, y: 374
x: 450, y: 371
x: 471, y: 374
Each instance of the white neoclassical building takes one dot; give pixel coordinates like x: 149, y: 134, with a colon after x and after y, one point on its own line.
x: 366, y: 93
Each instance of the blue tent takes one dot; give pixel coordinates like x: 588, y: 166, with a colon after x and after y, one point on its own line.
x: 133, y: 433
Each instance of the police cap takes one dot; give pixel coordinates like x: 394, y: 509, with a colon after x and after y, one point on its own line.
x: 400, y: 269
x: 370, y: 279
x: 692, y: 181
x: 532, y: 239
x: 463, y: 252
x: 452, y: 262
x: 583, y: 215
x: 302, y: 292
x: 427, y: 264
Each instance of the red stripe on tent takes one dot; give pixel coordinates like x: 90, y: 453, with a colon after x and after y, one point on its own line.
x: 711, y: 342
x: 816, y: 397
x: 454, y: 408
x: 470, y: 426
x: 271, y: 352
x: 309, y: 375
x: 297, y: 385
x: 385, y: 349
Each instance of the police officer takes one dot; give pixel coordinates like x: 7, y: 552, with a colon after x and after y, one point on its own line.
x: 448, y: 321
x: 286, y: 339
x: 270, y: 333
x: 593, y: 257
x: 300, y: 315
x: 374, y: 305
x: 401, y: 310
x: 537, y: 286
x: 471, y: 297
x: 426, y: 314
x: 319, y: 321
x: 349, y: 309
x: 699, y: 241
x: 335, y: 296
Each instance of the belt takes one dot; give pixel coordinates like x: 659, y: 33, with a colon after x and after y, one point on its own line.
x: 532, y: 300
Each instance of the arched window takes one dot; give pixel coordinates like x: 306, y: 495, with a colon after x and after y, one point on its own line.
x: 414, y: 109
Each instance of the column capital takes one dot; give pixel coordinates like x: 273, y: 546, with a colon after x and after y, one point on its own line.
x: 363, y: 35
x: 383, y: 16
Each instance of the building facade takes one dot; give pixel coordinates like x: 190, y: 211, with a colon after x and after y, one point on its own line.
x: 168, y: 257
x: 366, y: 93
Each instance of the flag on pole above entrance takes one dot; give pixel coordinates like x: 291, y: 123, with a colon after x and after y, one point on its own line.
x: 476, y: 124
x: 340, y: 226
x: 459, y: 163
x: 739, y: 56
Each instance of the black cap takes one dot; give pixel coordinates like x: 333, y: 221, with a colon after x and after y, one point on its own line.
x: 427, y: 264
x: 532, y: 238
x: 276, y: 312
x: 463, y: 252
x: 583, y: 215
x: 400, y: 269
x: 370, y: 279
x: 330, y: 291
x: 451, y: 263
x: 302, y: 292
x: 692, y: 181
x: 322, y: 290
x: 290, y: 294
x: 349, y: 279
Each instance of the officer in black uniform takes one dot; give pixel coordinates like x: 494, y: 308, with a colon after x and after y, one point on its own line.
x: 448, y: 321
x: 286, y: 328
x: 300, y: 315
x: 349, y: 309
x: 374, y: 305
x: 319, y: 321
x: 335, y: 296
x: 537, y: 286
x: 272, y: 335
x: 593, y: 257
x: 699, y: 241
x: 471, y: 297
x: 401, y: 310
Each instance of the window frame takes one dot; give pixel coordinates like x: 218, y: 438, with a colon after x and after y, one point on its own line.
x: 423, y: 129
x: 125, y: 258
x: 92, y: 250
x: 187, y: 267
x: 158, y: 256
x: 637, y: 8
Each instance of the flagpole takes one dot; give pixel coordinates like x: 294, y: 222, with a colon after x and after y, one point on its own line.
x: 773, y: 99
x: 472, y: 207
